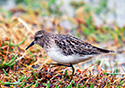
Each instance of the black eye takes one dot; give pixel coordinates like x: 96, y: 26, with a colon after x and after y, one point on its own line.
x: 36, y: 38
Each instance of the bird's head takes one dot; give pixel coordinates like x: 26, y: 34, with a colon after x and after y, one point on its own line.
x: 38, y: 38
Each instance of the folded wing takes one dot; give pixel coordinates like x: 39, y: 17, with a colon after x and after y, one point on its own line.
x: 72, y: 45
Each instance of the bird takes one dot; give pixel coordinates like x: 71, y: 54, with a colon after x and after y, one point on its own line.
x: 65, y: 49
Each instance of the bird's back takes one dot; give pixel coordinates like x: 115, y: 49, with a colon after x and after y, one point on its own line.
x: 72, y: 45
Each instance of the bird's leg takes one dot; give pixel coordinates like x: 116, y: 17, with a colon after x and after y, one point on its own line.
x: 73, y: 70
x: 58, y: 64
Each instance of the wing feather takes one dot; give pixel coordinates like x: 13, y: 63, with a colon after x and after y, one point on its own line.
x: 72, y: 45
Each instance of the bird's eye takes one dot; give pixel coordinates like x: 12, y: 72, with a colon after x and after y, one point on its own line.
x: 36, y: 38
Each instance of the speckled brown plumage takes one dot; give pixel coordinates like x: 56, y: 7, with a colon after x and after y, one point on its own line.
x: 68, y: 44
x: 71, y: 45
x: 59, y: 46
x: 66, y: 49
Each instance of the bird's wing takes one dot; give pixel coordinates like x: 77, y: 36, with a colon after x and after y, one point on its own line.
x: 72, y: 45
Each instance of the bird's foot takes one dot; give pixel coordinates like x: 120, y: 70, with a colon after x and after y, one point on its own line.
x: 68, y: 65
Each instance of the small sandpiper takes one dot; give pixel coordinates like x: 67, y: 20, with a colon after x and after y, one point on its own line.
x: 66, y: 49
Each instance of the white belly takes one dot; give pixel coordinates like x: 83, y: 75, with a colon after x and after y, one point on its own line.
x: 57, y: 56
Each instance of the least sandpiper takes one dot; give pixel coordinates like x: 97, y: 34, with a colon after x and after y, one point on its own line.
x: 66, y: 49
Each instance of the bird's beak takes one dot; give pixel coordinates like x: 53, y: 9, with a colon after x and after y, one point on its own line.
x: 30, y: 45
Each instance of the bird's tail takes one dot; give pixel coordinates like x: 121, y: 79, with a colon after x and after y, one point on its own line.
x: 104, y: 50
